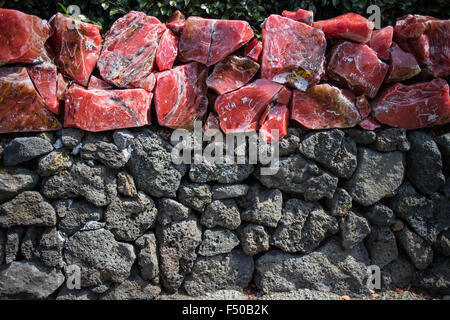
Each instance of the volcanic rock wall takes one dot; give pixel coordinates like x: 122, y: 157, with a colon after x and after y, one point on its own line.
x: 113, y: 207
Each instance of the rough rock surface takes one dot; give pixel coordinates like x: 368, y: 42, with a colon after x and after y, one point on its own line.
x: 106, y: 153
x: 133, y: 288
x: 170, y: 210
x: 207, y: 171
x: 225, y: 191
x: 23, y: 149
x: 354, y: 228
x: 15, y: 180
x: 73, y: 214
x: 217, y: 241
x: 420, y: 253
x: 195, y: 195
x: 340, y: 204
x: 44, y: 245
x: 254, y: 239
x: 382, y: 246
x: 350, y: 26
x: 53, y: 163
x: 148, y: 256
x: 392, y: 139
x: 222, y: 213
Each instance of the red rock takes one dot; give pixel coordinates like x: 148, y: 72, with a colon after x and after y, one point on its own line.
x: 180, y: 96
x: 369, y: 124
x: 129, y: 50
x: 101, y: 110
x: 305, y: 16
x: 232, y: 73
x: 324, y: 107
x: 22, y: 37
x: 176, y: 22
x: 240, y: 110
x: 211, y: 123
x: 97, y: 83
x: 414, y: 106
x: 45, y: 78
x: 148, y: 83
x: 167, y: 50
x: 403, y: 65
x: 349, y: 26
x: 293, y: 52
x: 209, y: 40
x: 277, y: 119
x: 21, y: 107
x: 428, y: 39
x: 357, y: 67
x: 381, y: 41
x: 283, y: 96
x: 76, y: 46
x: 253, y: 50
x: 363, y: 106
x: 61, y: 87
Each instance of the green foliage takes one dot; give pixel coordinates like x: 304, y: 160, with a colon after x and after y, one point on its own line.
x: 105, y: 12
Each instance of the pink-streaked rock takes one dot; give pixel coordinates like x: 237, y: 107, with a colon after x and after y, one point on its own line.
x: 363, y: 106
x: 148, y: 83
x: 232, y: 73
x: 253, y: 50
x: 293, y: 52
x: 76, y: 46
x: 167, y: 50
x: 403, y: 65
x: 210, y: 40
x: 21, y: 107
x: 277, y: 119
x: 283, y: 96
x: 240, y: 110
x: 180, y: 96
x: 301, y: 15
x: 129, y: 50
x: 381, y: 41
x: 97, y: 83
x: 369, y: 124
x: 22, y: 37
x: 324, y: 107
x: 357, y: 67
x: 101, y: 110
x: 61, y: 86
x: 419, y: 105
x: 211, y: 123
x: 176, y: 22
x: 428, y: 39
x: 45, y: 78
x: 349, y: 26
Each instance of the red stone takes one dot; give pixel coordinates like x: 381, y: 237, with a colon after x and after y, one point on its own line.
x: 22, y: 37
x: 101, y: 110
x: 232, y: 73
x: 148, y: 83
x: 369, y: 124
x: 211, y: 123
x: 283, y: 96
x: 357, y: 67
x: 324, y: 107
x: 414, y: 106
x: 277, y: 119
x: 21, y: 107
x: 381, y: 41
x: 209, y: 40
x: 76, y: 46
x: 363, y: 106
x: 403, y: 65
x: 349, y: 26
x: 167, y: 50
x: 97, y: 83
x: 129, y: 50
x: 180, y: 96
x: 305, y: 16
x: 428, y: 39
x: 253, y: 50
x: 176, y: 22
x: 45, y: 78
x: 293, y: 52
x: 61, y: 87
x: 240, y: 110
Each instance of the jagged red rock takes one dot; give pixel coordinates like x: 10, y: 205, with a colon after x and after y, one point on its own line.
x: 22, y: 37
x: 21, y: 108
x: 414, y: 106
x: 301, y: 15
x: 101, y: 110
x: 381, y: 41
x: 349, y: 26
x: 293, y: 52
x: 76, y: 46
x: 253, y: 50
x: 403, y: 65
x: 210, y: 40
x: 167, y: 50
x: 129, y: 50
x: 232, y: 73
x: 277, y: 119
x: 211, y: 123
x: 176, y: 22
x: 45, y: 78
x: 180, y: 96
x: 61, y: 87
x: 324, y: 107
x: 283, y: 96
x: 240, y: 110
x: 369, y: 124
x: 363, y: 106
x: 357, y: 67
x: 97, y: 83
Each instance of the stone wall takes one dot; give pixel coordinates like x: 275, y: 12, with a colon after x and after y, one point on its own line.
x: 114, y: 207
